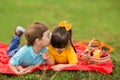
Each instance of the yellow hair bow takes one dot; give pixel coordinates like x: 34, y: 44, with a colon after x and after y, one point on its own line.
x: 64, y: 24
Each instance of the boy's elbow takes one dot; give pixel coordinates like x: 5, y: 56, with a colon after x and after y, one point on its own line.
x: 10, y: 65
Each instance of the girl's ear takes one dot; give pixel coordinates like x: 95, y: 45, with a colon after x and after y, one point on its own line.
x: 38, y: 41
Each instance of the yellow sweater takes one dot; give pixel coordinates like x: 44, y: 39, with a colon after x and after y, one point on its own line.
x: 68, y: 56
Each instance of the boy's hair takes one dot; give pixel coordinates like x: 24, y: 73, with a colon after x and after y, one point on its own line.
x: 61, y: 38
x: 34, y: 31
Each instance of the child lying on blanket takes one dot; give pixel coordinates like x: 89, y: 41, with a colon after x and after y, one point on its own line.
x: 61, y: 50
x: 34, y: 53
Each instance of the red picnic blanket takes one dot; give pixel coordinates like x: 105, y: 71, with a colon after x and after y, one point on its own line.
x: 105, y: 68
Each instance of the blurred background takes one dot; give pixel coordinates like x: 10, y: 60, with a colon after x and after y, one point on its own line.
x: 89, y: 18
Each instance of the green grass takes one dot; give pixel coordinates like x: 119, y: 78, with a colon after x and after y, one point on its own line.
x: 89, y: 18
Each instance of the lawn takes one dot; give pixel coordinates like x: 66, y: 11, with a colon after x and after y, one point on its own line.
x: 89, y: 18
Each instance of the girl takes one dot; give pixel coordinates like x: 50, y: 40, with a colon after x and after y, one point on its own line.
x: 61, y: 50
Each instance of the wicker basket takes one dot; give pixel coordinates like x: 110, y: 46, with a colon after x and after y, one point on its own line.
x: 95, y: 44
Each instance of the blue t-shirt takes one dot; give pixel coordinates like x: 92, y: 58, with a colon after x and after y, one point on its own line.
x: 27, y: 57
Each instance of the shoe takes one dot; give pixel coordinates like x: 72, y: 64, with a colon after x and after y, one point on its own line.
x: 19, y: 30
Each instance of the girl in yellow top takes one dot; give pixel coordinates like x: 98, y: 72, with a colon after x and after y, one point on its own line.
x: 61, y: 50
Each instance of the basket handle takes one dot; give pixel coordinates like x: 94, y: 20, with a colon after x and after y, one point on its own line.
x: 89, y: 45
x: 89, y: 49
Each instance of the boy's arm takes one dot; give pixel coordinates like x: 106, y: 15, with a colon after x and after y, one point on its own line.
x: 28, y: 69
x: 17, y: 69
x: 14, y: 68
x: 46, y: 57
x: 50, y: 61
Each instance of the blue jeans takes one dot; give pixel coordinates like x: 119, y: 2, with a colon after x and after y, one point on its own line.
x: 13, y: 48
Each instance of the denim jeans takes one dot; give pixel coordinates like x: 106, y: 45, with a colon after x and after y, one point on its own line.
x: 13, y: 48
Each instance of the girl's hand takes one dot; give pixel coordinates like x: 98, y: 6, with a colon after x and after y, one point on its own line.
x: 58, y: 67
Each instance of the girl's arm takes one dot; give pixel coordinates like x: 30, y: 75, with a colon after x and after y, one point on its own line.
x: 59, y: 67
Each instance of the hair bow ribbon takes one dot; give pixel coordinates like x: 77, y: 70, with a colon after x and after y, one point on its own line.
x: 64, y: 24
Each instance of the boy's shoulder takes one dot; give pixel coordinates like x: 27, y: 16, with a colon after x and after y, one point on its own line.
x: 25, y: 49
x: 22, y: 51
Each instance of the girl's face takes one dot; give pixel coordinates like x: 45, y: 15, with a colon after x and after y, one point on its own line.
x: 59, y: 50
x: 46, y: 38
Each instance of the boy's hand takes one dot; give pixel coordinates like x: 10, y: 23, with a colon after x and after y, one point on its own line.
x: 22, y: 72
x: 45, y: 56
x: 27, y: 69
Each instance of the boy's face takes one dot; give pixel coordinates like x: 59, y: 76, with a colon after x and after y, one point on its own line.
x: 46, y: 38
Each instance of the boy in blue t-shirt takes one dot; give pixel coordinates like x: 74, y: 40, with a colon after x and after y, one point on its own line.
x: 34, y: 53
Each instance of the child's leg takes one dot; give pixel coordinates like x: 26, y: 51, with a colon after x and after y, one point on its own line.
x: 13, y: 48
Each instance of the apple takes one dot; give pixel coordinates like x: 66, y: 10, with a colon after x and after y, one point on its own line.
x: 103, y: 54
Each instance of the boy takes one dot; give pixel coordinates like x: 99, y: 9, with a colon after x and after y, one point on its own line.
x: 34, y: 53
